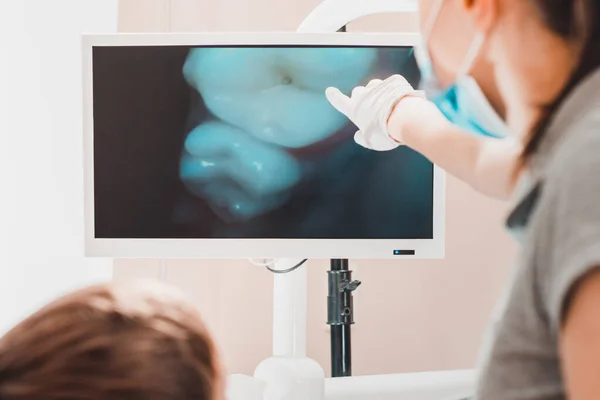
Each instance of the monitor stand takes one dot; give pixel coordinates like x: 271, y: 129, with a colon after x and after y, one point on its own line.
x: 289, y: 374
x: 340, y: 316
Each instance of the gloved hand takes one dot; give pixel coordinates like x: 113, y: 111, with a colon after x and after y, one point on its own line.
x: 369, y: 108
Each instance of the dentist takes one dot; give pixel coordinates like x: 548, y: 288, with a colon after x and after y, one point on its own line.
x: 544, y: 58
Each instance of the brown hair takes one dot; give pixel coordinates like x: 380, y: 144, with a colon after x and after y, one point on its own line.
x: 569, y: 19
x: 114, y: 342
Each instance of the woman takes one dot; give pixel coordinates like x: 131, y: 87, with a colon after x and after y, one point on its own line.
x: 544, y: 56
x: 112, y: 342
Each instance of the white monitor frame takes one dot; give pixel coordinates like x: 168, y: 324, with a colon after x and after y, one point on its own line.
x: 248, y: 248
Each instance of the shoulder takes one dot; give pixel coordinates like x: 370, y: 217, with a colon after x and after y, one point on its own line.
x: 569, y: 221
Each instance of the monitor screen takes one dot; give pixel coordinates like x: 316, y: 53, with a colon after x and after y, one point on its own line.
x: 220, y: 142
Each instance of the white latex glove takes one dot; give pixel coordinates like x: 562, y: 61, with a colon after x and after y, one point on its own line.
x: 369, y: 108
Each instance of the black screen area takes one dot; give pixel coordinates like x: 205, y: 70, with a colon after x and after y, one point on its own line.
x: 240, y: 142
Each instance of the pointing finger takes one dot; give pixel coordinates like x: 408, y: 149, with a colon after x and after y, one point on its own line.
x: 338, y: 100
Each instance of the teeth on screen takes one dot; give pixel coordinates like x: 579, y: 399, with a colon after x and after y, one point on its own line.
x: 264, y: 100
x: 236, y: 173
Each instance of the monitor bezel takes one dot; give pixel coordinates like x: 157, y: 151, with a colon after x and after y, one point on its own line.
x: 249, y: 248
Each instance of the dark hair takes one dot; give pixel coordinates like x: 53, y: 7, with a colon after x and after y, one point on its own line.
x: 564, y: 18
x: 110, y: 342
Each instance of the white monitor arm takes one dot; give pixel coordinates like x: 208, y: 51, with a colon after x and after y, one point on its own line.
x: 332, y: 15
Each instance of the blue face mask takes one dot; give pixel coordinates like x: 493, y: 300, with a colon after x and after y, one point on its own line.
x: 463, y: 103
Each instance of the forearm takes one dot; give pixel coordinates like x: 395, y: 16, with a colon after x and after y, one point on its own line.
x: 484, y: 163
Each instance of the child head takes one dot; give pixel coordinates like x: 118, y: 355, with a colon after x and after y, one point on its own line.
x: 115, y: 341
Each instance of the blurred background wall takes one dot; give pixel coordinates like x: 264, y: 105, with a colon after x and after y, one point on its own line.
x: 41, y: 151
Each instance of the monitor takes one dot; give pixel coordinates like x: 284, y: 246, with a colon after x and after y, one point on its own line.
x: 224, y: 145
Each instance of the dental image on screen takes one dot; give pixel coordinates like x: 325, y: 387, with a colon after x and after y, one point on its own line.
x: 240, y: 142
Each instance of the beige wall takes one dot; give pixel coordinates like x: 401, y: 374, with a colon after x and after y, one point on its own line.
x: 411, y: 315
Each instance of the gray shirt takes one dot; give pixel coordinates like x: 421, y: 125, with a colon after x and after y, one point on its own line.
x: 557, y: 214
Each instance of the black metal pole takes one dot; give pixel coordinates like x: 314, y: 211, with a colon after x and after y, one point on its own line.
x: 341, y: 351
x: 340, y: 316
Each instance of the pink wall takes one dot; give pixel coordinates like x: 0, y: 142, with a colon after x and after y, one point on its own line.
x: 411, y: 315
